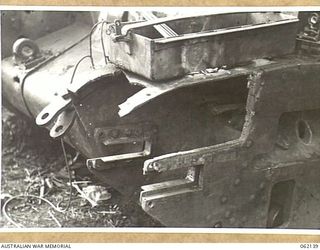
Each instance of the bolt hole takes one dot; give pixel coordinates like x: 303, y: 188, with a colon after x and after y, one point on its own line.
x: 59, y: 128
x: 45, y: 115
x: 16, y: 79
x: 304, y: 132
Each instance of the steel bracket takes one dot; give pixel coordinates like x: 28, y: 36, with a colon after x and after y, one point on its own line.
x: 131, y: 135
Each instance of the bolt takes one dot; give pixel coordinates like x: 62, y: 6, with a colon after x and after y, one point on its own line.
x: 155, y: 165
x: 201, y: 159
x: 150, y: 204
x: 101, y: 135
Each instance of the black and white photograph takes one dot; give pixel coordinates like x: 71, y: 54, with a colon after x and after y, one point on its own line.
x: 167, y: 117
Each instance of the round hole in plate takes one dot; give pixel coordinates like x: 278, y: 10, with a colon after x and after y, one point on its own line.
x: 16, y: 79
x: 59, y: 128
x: 45, y: 115
x: 304, y: 131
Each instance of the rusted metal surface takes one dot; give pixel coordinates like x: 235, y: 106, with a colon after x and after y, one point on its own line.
x: 134, y: 139
x: 56, y: 43
x: 236, y: 177
x: 35, y: 24
x: 226, y: 147
x: 202, y: 42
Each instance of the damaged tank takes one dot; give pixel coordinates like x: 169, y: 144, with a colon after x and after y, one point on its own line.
x: 206, y: 120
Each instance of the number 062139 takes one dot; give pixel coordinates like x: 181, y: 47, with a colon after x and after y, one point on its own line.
x: 309, y: 245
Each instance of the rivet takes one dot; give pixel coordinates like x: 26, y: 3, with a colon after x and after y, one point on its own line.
x: 217, y: 224
x: 227, y: 214
x: 223, y: 199
x: 237, y: 181
x: 264, y: 198
x: 262, y: 185
x: 244, y: 219
x: 244, y: 164
x: 232, y: 220
x: 308, y: 156
x: 252, y: 197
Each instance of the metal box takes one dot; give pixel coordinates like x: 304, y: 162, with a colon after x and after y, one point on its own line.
x: 201, y: 42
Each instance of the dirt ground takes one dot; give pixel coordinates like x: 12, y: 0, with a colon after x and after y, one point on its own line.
x: 33, y: 166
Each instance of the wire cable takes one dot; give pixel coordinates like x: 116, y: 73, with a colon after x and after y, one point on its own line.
x: 69, y: 175
x: 6, y: 215
x: 90, y: 40
x: 24, y: 98
x: 76, y: 67
x: 102, y: 43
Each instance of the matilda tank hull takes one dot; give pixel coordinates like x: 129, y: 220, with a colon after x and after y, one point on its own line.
x: 205, y: 145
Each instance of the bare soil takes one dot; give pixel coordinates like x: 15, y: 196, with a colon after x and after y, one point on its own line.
x: 33, y: 166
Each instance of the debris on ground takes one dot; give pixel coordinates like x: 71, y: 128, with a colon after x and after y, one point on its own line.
x: 93, y: 194
x: 35, y: 189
